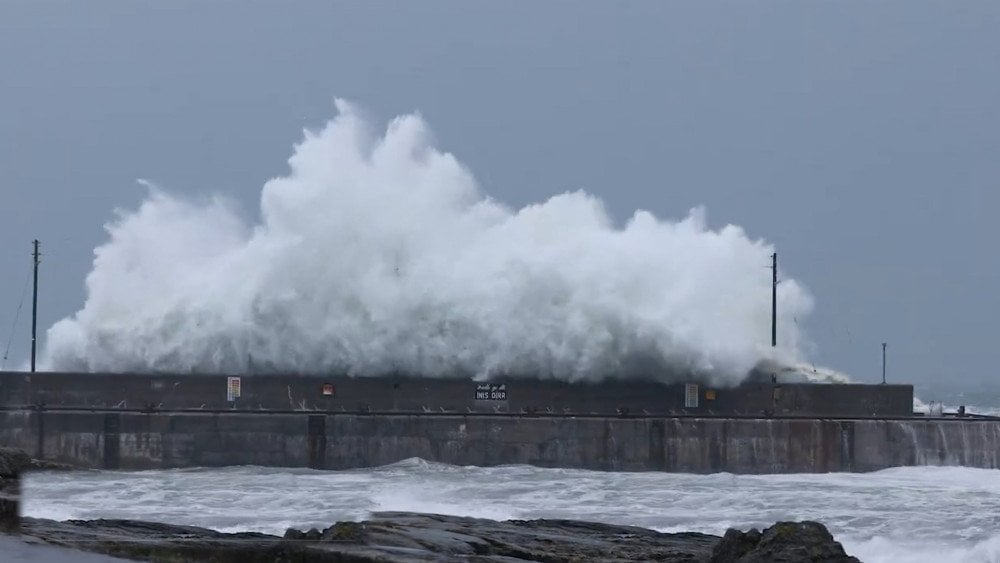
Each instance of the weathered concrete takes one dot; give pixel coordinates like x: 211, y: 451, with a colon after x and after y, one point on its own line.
x: 135, y: 440
x: 133, y: 421
x: 442, y: 395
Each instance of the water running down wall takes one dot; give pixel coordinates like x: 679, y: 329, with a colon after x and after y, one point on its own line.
x: 141, y: 421
x: 691, y: 445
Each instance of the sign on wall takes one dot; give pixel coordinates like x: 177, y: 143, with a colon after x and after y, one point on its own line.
x: 491, y: 392
x: 232, y: 388
x: 691, y: 396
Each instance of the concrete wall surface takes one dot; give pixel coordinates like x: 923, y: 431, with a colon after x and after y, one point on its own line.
x: 135, y: 440
x: 342, y: 394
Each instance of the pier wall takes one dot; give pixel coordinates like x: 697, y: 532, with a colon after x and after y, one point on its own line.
x: 511, y: 395
x: 134, y: 440
x: 145, y: 421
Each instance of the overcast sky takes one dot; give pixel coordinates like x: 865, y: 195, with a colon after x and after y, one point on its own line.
x: 861, y: 138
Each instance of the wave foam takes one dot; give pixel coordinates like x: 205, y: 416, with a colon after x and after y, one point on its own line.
x: 378, y: 253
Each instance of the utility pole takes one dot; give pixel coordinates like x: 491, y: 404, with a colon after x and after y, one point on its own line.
x: 774, y: 299
x: 883, y: 363
x: 34, y: 306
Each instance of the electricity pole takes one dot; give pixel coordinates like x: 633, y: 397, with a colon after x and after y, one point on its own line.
x: 774, y: 299
x: 34, y: 306
x: 883, y: 363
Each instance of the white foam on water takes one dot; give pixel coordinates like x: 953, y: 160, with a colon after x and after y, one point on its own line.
x: 904, y: 514
x: 914, y: 550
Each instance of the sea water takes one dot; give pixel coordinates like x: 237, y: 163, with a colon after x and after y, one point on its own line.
x: 902, y: 514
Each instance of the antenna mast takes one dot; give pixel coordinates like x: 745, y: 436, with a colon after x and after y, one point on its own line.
x: 774, y: 299
x: 34, y: 306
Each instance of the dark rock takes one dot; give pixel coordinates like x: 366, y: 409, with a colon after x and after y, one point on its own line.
x: 782, y: 542
x: 10, y: 508
x: 735, y: 544
x: 345, y: 532
x: 387, y: 537
x: 311, y: 535
x: 403, y: 536
x: 13, y: 463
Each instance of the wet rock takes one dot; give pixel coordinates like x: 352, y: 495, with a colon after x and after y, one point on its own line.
x: 10, y: 509
x: 782, y: 542
x: 13, y: 463
x: 403, y: 536
x: 735, y: 544
x: 387, y: 537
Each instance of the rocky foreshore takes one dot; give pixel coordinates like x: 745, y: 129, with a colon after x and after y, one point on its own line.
x: 404, y: 537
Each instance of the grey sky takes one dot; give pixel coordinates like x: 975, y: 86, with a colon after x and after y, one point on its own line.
x: 862, y: 138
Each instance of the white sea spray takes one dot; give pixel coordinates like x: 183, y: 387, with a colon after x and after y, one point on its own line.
x: 379, y: 253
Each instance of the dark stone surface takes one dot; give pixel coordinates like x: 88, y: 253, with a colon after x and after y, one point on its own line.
x: 23, y: 548
x: 783, y: 542
x: 13, y: 463
x: 400, y: 536
x: 10, y: 509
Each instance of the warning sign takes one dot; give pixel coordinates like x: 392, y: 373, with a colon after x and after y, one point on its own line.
x: 232, y: 388
x: 491, y: 392
x: 691, y: 396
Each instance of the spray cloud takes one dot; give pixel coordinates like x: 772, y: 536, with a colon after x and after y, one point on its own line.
x: 377, y: 253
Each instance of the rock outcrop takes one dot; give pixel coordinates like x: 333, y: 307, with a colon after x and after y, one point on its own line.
x: 405, y: 537
x: 782, y: 542
x: 13, y: 463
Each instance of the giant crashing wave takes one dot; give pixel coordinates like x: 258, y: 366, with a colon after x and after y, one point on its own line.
x: 378, y: 253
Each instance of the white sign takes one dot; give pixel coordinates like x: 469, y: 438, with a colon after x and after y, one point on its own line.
x: 232, y: 388
x: 691, y: 396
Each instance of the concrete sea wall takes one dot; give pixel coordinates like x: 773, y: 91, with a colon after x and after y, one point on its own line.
x: 142, y: 421
x: 420, y: 395
x: 138, y: 440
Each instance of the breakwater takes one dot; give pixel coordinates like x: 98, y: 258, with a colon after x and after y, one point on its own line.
x: 135, y: 440
x: 159, y: 421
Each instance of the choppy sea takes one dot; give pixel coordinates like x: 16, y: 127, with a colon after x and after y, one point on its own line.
x: 937, y: 514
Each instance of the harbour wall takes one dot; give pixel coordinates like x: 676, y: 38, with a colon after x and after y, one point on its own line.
x: 421, y: 395
x: 138, y: 440
x: 147, y: 421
